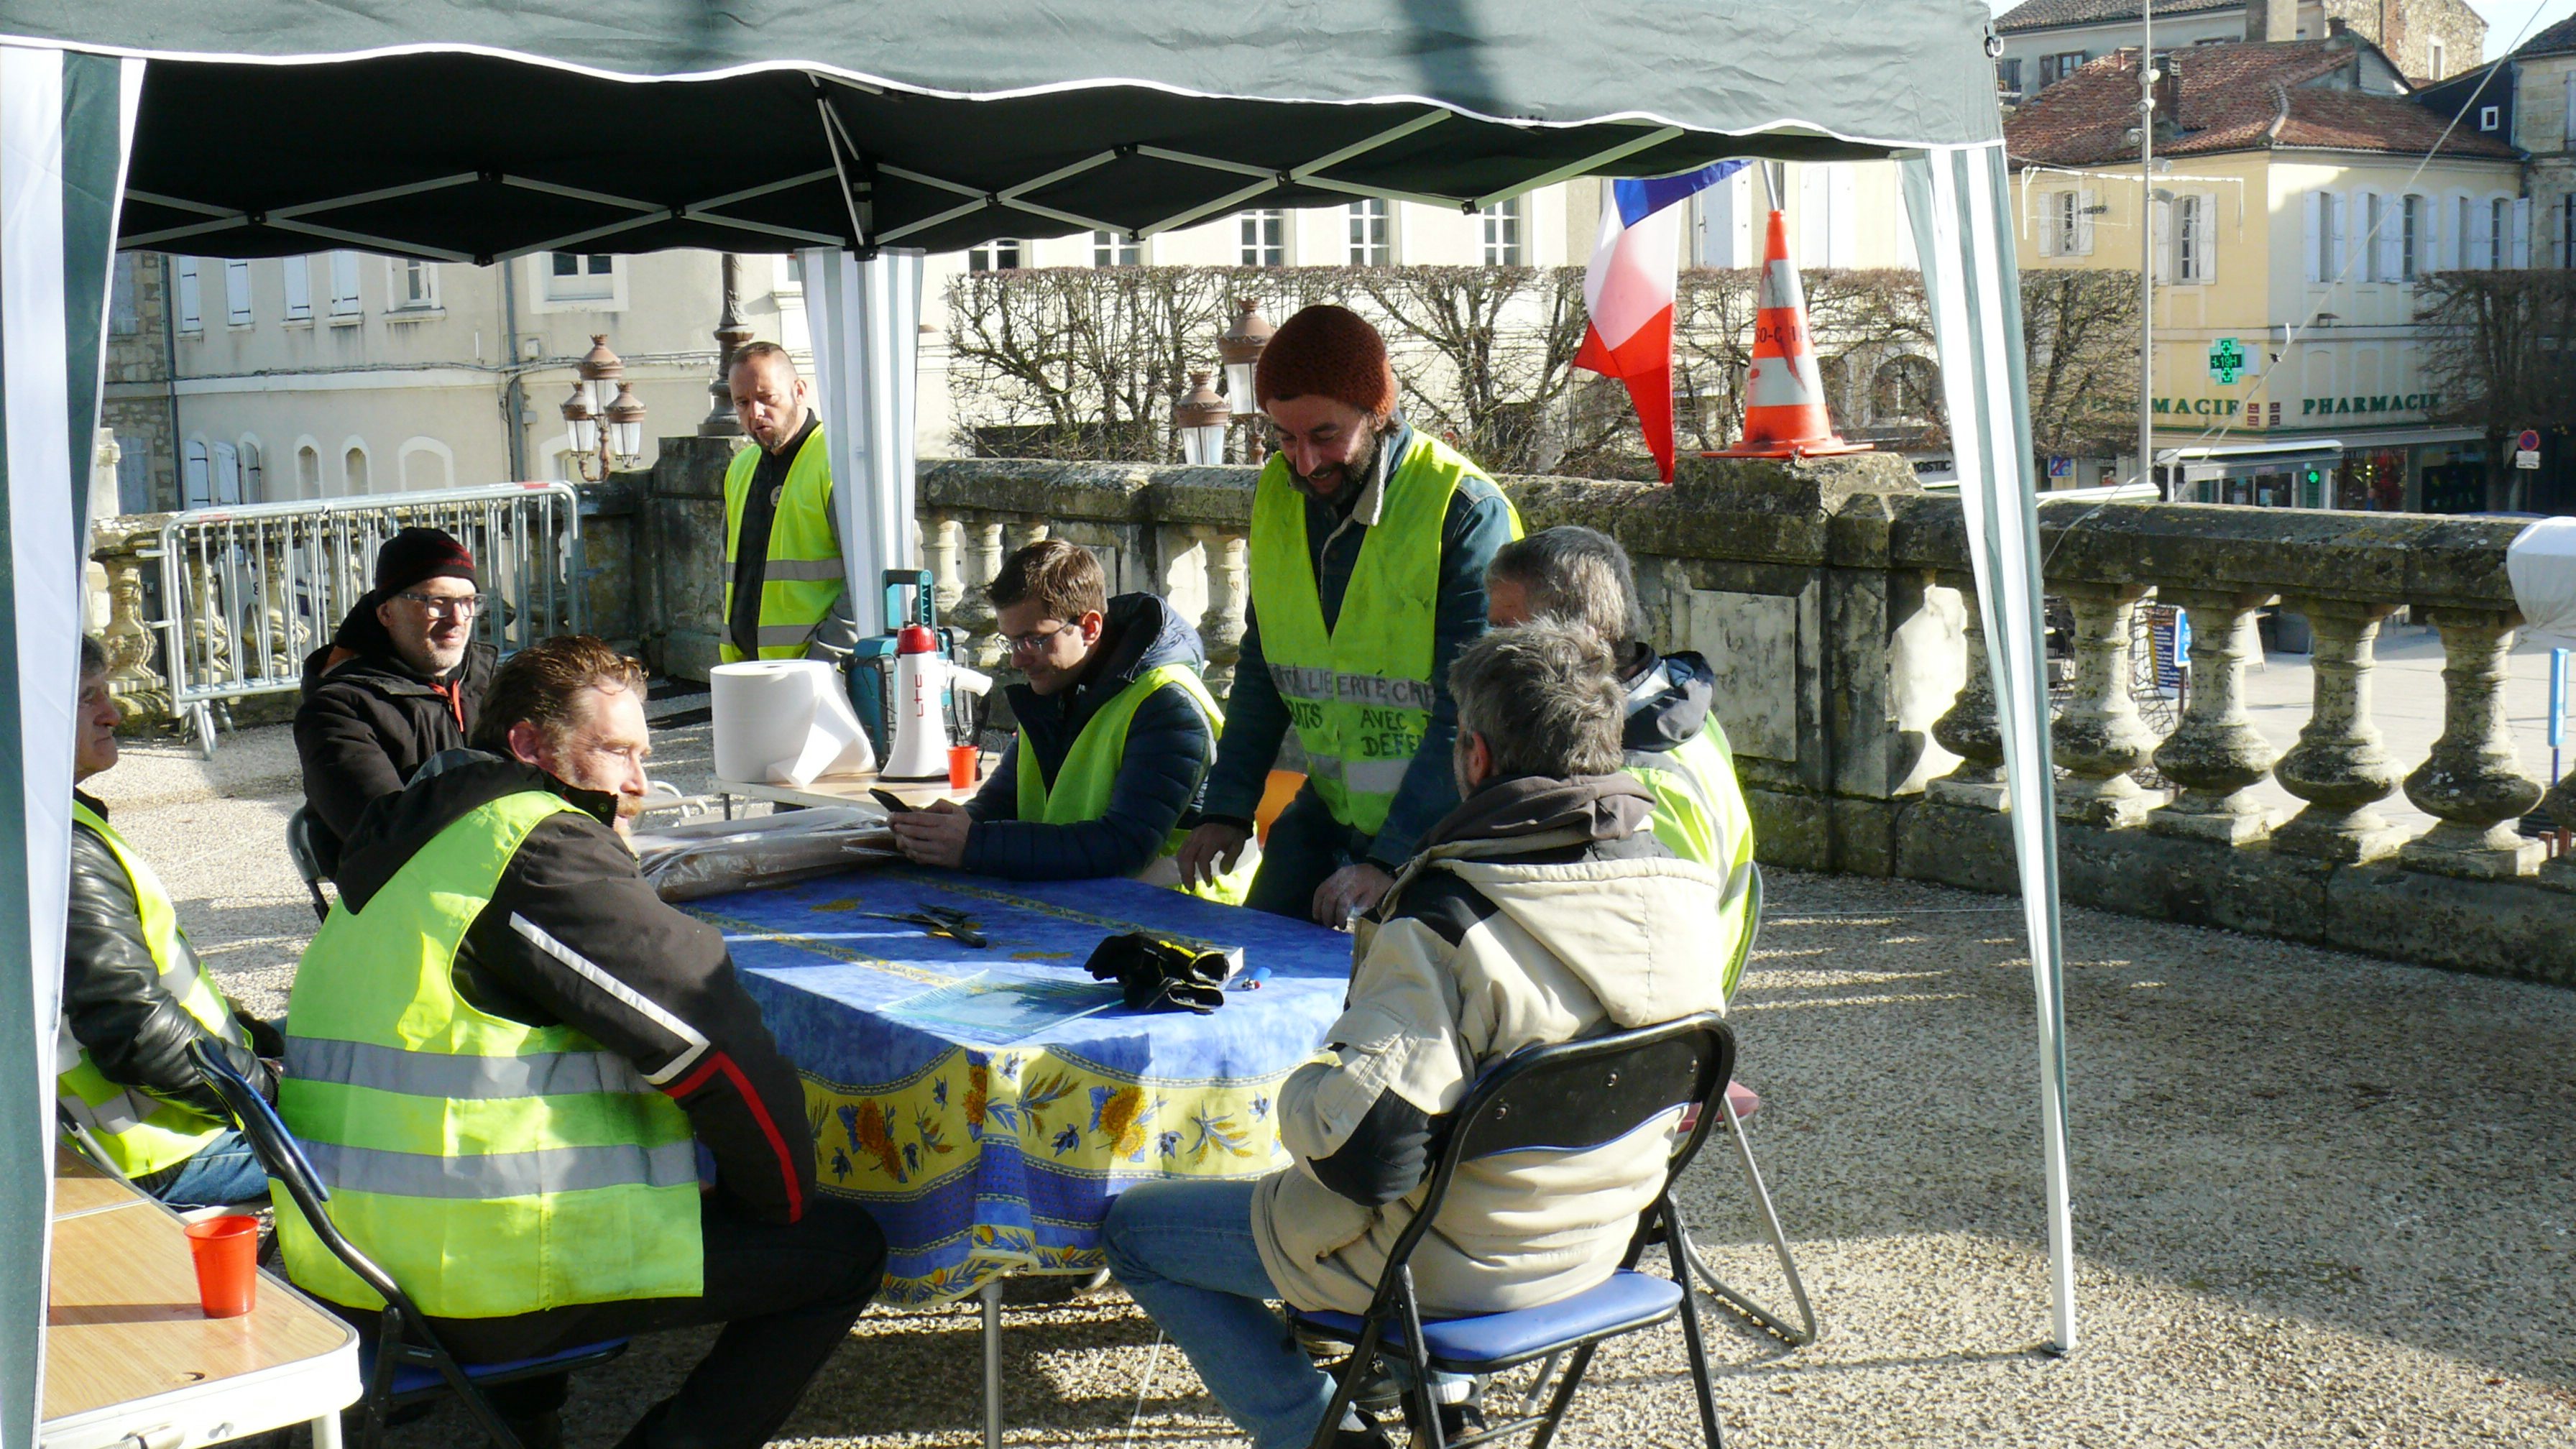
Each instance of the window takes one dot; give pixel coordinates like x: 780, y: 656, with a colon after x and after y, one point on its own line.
x: 251, y: 482
x: 2436, y: 60
x: 2499, y: 232
x: 2464, y: 246
x: 412, y: 285
x: 1265, y: 238
x: 344, y: 284
x: 581, y: 277
x: 2055, y: 68
x: 1502, y: 223
x: 791, y: 272
x: 2331, y: 212
x: 195, y: 480
x: 2195, y: 237
x: 2488, y: 117
x: 228, y: 476
x: 1372, y: 233
x: 2008, y: 75
x: 353, y: 471
x: 2374, y: 241
x: 993, y: 256
x: 1115, y: 249
x: 191, y: 317
x: 2410, y: 238
x: 237, y: 294
x: 123, y: 319
x: 298, y: 274
x: 308, y: 472
x: 2066, y: 224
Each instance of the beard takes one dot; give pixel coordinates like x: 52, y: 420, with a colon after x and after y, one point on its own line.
x: 1351, y: 473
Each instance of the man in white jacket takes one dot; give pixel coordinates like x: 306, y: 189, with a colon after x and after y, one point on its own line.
x: 1542, y: 910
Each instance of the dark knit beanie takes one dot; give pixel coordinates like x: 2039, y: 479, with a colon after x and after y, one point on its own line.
x: 1330, y: 352
x: 421, y: 553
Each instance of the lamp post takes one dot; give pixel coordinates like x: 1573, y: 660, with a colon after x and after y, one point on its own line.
x: 1200, y: 417
x: 731, y: 334
x: 1239, y: 348
x: 607, y: 426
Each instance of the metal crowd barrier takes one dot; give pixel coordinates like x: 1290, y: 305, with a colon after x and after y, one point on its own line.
x: 247, y: 591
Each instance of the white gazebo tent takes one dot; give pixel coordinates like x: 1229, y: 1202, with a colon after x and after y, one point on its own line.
x: 864, y: 133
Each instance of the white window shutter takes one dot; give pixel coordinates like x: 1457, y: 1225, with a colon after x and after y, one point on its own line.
x: 237, y: 293
x: 2162, y: 251
x: 2392, y: 237
x: 2428, y: 257
x: 192, y: 317
x: 2205, y: 240
x: 1844, y: 247
x: 2477, y: 238
x: 2313, y: 235
x: 2521, y: 232
x: 2049, y: 202
x: 297, y: 273
x: 2338, y: 229
x: 1814, y: 213
x: 2085, y: 201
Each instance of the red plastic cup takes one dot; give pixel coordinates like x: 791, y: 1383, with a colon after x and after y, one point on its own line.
x: 962, y: 760
x: 227, y: 1253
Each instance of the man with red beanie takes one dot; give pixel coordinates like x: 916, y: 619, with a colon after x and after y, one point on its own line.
x: 1368, y: 554
x: 400, y: 681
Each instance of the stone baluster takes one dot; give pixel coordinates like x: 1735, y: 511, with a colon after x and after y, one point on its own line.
x: 2473, y: 783
x: 1221, y: 622
x: 974, y: 611
x: 2558, y: 872
x: 2098, y: 735
x: 138, y: 688
x: 1970, y: 729
x: 939, y: 554
x: 2215, y: 752
x: 2339, y: 766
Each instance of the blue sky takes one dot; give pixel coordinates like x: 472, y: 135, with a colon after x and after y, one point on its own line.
x: 2505, y: 18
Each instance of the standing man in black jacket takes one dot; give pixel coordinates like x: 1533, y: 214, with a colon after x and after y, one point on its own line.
x: 135, y: 996
x: 1116, y: 732
x: 400, y: 681
x: 514, y: 1128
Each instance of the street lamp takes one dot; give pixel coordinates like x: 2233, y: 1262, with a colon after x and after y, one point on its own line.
x: 1200, y: 417
x: 603, y: 415
x: 1239, y: 348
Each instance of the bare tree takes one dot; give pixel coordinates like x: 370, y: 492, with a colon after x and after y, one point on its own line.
x: 2079, y: 330
x: 2500, y: 348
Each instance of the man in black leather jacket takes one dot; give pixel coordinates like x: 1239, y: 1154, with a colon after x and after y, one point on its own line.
x: 125, y: 1010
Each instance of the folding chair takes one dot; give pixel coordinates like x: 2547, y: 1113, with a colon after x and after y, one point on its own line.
x: 1809, y: 1325
x: 1562, y: 1098
x: 404, y: 1362
x: 308, y: 859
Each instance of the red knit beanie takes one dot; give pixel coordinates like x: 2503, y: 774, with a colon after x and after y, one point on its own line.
x: 418, y: 554
x: 1330, y: 352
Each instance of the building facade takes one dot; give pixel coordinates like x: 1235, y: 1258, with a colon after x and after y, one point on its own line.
x: 2293, y: 211
x: 2046, y: 41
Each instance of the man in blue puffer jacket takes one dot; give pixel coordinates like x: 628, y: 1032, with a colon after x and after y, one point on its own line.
x: 1082, y: 653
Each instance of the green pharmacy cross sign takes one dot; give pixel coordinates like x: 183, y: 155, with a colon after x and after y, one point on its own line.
x: 2226, y: 360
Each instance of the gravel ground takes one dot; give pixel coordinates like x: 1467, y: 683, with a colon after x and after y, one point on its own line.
x: 2320, y: 1199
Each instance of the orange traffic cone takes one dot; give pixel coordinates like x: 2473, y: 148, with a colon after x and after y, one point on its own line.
x: 1784, y: 398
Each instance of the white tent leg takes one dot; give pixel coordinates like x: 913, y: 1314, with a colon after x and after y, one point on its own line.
x: 1959, y: 206
x: 66, y: 124
x: 866, y: 317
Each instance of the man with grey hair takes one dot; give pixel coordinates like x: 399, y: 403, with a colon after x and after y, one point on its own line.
x: 1533, y: 913
x: 1671, y: 741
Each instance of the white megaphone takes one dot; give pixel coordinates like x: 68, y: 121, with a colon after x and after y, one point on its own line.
x: 922, y: 680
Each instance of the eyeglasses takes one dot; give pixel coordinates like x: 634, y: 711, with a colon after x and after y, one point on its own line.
x: 461, y: 607
x: 1037, y: 639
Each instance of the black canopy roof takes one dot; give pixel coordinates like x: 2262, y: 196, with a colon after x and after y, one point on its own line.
x: 470, y: 131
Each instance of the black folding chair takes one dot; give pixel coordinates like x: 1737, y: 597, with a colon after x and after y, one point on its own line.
x: 1562, y: 1098
x: 404, y: 1362
x: 1809, y: 1325
x: 308, y: 859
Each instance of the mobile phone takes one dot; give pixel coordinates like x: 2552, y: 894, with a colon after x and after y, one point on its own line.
x: 895, y: 804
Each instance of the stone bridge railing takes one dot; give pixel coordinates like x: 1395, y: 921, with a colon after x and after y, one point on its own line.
x: 1834, y: 601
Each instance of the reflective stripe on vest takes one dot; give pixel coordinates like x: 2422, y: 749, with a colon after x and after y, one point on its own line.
x: 1360, y: 693
x: 803, y: 576
x: 1700, y: 816
x: 1081, y: 788
x: 139, y: 1132
x: 494, y: 1168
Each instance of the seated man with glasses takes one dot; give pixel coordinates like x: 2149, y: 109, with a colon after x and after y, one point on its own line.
x: 400, y: 681
x: 1116, y: 732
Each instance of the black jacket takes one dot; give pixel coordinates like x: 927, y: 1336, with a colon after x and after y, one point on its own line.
x: 1668, y: 699
x: 573, y: 935
x: 137, y: 1033
x: 368, y: 720
x: 1169, y: 747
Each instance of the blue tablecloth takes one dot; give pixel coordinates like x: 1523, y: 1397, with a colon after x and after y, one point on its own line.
x: 984, y: 1156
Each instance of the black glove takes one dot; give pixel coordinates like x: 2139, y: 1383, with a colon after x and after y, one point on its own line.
x: 1154, y: 974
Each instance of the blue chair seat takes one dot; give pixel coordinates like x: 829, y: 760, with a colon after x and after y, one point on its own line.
x: 414, y: 1378
x: 1625, y: 1301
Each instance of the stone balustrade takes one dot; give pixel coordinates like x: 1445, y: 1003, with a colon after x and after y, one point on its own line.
x: 1835, y: 603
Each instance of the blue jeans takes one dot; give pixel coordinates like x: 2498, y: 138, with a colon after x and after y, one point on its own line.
x: 1184, y: 1251
x: 224, y: 1171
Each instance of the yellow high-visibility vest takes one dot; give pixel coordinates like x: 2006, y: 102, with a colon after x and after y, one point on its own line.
x: 803, y: 576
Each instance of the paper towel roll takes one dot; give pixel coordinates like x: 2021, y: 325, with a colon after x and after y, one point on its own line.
x: 785, y: 722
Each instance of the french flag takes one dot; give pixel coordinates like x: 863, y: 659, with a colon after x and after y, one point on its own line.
x: 1629, y: 292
